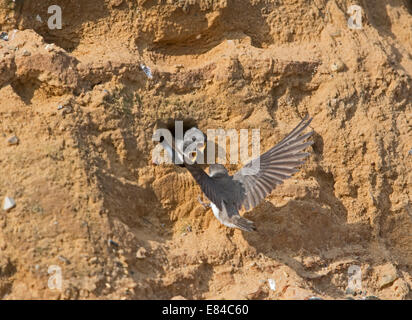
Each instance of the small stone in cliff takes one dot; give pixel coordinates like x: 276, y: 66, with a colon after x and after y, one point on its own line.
x: 387, y: 280
x: 8, y: 204
x: 335, y: 33
x: 4, y: 36
x: 112, y: 243
x: 64, y: 259
x: 410, y: 152
x: 12, y: 141
x: 67, y: 110
x: 337, y: 66
x: 141, y: 253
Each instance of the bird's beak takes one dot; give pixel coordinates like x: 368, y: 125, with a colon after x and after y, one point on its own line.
x: 201, y: 147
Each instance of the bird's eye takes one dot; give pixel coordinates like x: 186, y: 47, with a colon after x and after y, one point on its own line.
x: 162, y: 139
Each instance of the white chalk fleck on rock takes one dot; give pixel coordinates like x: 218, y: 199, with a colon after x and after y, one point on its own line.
x: 93, y: 260
x: 141, y: 253
x: 147, y: 71
x: 272, y: 284
x: 13, y: 34
x: 49, y: 47
x: 333, y: 102
x: 8, y: 204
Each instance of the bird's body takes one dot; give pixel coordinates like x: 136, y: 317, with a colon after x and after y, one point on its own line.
x: 228, y: 193
x: 250, y: 185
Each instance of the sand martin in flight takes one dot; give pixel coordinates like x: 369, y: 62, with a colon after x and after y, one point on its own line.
x: 252, y: 183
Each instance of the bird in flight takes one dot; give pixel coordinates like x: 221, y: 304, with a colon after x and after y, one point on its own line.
x: 248, y: 187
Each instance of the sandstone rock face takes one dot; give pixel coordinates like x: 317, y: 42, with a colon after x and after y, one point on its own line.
x: 82, y: 176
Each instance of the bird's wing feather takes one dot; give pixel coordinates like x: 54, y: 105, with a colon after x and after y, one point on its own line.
x: 273, y: 167
x: 230, y: 216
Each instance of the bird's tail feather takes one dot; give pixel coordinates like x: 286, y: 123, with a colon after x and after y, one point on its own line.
x: 243, y: 224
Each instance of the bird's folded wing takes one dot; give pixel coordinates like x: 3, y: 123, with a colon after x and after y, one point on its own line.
x: 260, y: 176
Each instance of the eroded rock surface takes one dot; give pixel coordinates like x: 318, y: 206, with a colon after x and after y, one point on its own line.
x: 90, y: 201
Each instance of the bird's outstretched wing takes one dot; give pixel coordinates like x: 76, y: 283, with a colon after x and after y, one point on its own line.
x: 274, y: 166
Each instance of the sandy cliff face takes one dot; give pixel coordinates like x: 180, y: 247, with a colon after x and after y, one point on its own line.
x: 90, y: 201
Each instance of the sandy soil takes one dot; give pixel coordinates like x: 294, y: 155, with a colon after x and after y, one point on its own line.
x: 89, y: 200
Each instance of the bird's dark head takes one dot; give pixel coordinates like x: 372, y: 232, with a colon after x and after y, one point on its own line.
x: 217, y: 170
x: 178, y: 151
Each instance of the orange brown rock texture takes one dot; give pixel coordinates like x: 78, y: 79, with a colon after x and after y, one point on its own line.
x: 90, y: 201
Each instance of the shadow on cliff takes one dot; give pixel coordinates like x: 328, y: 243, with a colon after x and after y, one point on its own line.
x: 75, y: 15
x: 192, y: 30
x: 379, y: 18
x: 308, y: 227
